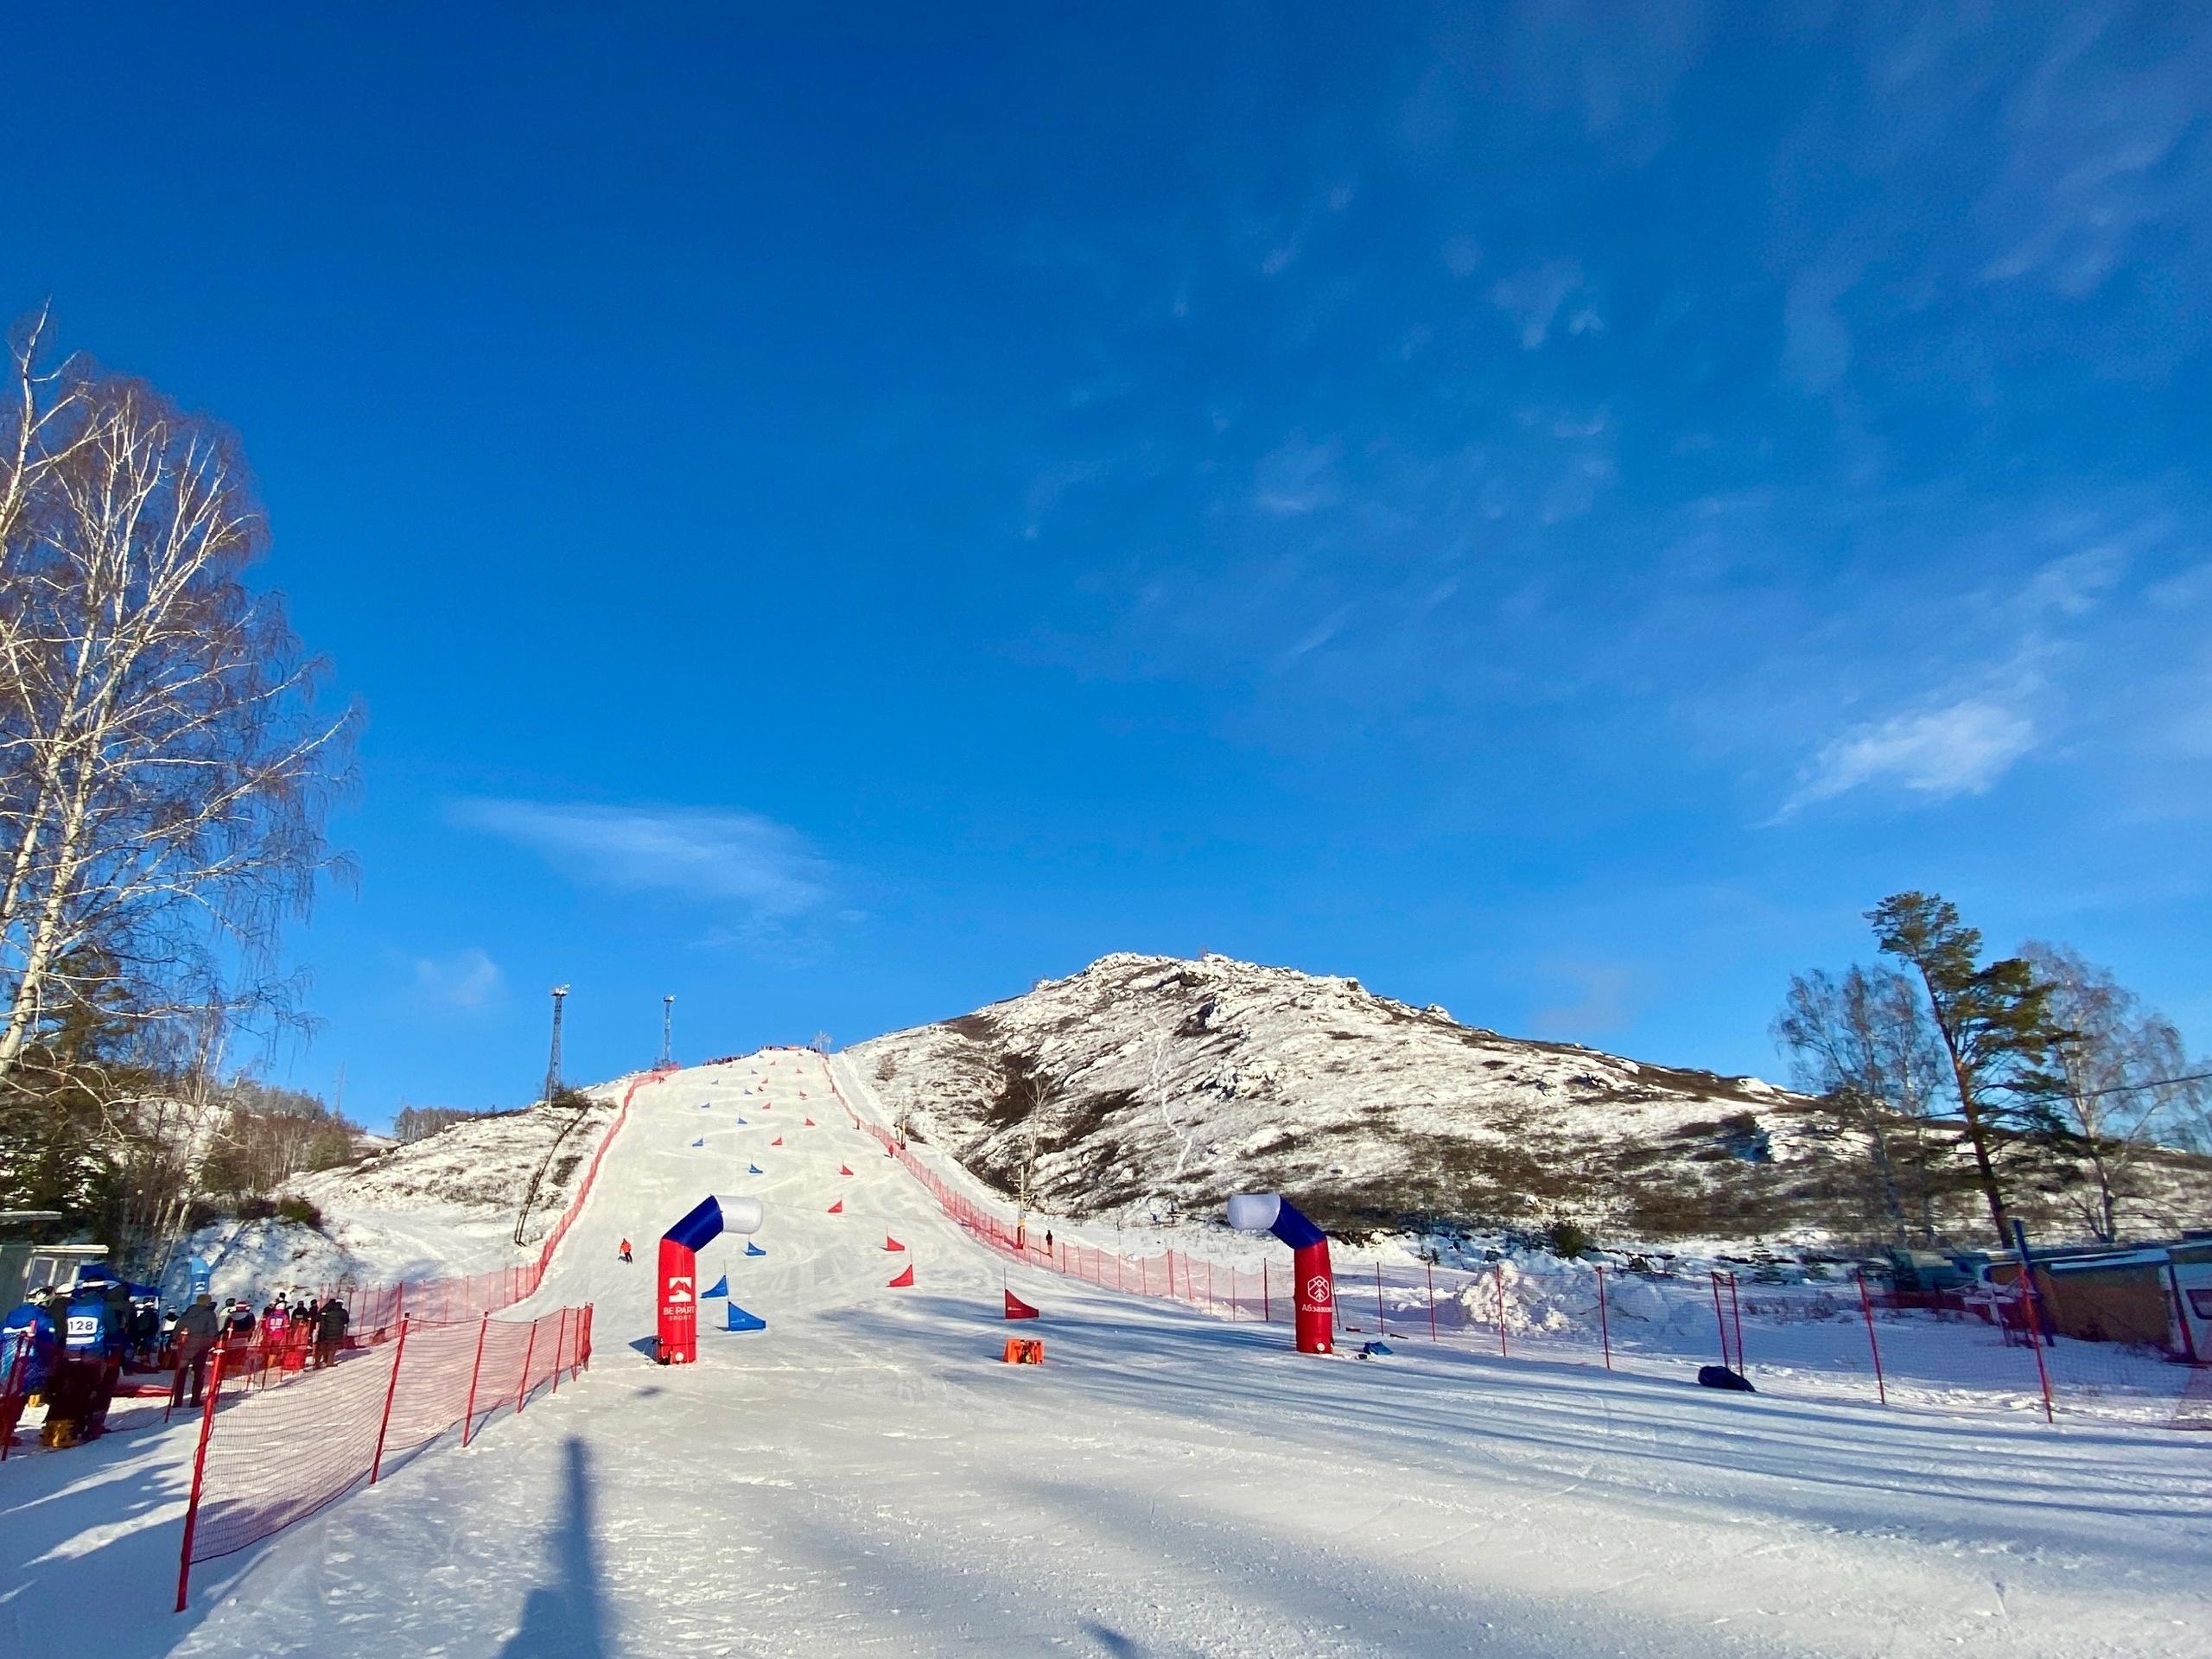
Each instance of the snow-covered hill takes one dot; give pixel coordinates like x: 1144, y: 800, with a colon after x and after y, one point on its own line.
x: 442, y: 1205
x: 478, y: 1168
x: 1162, y: 1084
x: 1152, y: 1086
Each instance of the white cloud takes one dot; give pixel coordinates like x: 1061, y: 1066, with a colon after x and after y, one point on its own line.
x: 1533, y: 298
x: 1961, y: 749
x: 1298, y: 476
x: 705, y: 856
x: 467, y: 980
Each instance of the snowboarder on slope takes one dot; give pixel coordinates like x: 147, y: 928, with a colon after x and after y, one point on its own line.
x: 624, y: 1250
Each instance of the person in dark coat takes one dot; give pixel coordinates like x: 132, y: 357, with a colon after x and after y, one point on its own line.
x: 30, y: 1336
x: 195, y: 1339
x: 146, y: 1331
x: 330, y: 1331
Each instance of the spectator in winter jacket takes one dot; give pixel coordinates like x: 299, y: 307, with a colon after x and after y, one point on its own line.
x: 145, y: 1330
x: 29, y: 1335
x: 237, y: 1323
x: 330, y: 1331
x: 195, y: 1336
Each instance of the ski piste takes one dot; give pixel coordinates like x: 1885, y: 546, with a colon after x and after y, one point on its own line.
x: 865, y: 1475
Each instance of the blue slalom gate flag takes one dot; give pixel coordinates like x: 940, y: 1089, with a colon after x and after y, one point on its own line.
x: 755, y: 1169
x: 751, y: 1248
x: 701, y: 1142
x: 720, y: 1287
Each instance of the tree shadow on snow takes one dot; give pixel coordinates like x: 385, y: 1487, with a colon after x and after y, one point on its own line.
x: 566, y: 1619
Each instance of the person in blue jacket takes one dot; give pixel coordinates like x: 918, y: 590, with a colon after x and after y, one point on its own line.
x: 30, y: 1332
x: 94, y: 1335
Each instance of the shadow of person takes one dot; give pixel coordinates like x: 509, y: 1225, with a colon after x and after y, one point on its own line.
x: 565, y: 1619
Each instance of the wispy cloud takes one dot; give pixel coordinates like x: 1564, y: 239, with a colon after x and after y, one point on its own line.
x: 465, y: 981
x: 1298, y: 476
x: 730, y: 857
x: 1534, y: 298
x: 1960, y: 749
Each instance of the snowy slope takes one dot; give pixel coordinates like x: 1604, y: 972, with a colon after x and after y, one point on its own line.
x: 1159, y: 1085
x: 864, y: 1478
x: 1171, y: 1083
x: 440, y: 1206
x: 478, y: 1168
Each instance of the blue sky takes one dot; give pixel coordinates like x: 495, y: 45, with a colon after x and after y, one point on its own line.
x: 837, y: 519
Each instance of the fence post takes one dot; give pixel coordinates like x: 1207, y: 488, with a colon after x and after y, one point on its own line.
x: 2181, y: 1312
x: 1736, y: 1311
x: 1605, y: 1326
x: 1719, y: 1319
x: 583, y: 1359
x: 1267, y: 1298
x: 1501, y: 1310
x: 1171, y: 1275
x: 1431, y: 1301
x: 1866, y: 1307
x: 1380, y: 1330
x: 560, y: 1339
x: 468, y: 1412
x: 521, y: 1388
x: 390, y: 1393
x: 199, y: 1477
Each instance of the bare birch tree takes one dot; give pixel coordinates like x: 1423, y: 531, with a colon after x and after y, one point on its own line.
x: 164, y: 771
x: 1863, y: 1040
x: 2124, y: 1076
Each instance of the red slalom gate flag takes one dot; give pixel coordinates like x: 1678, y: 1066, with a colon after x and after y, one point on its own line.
x: 841, y: 1170
x: 777, y: 1141
x: 838, y: 1208
x: 890, y: 1244
x: 904, y: 1281
x: 809, y: 1123
x: 1018, y: 1309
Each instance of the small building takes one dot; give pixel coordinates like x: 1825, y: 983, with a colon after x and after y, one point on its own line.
x: 2151, y: 1295
x: 25, y: 1266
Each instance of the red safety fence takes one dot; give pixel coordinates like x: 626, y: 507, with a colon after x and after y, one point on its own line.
x: 1845, y: 1339
x: 451, y: 1365
x: 378, y: 1308
x: 280, y: 1455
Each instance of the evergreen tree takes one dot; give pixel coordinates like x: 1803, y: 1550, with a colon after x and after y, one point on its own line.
x: 1995, y: 1024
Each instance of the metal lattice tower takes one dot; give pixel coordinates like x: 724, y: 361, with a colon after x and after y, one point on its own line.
x: 553, y: 1060
x: 667, y: 1016
x: 552, y: 1087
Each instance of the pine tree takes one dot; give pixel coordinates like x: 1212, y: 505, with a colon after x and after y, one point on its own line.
x: 1994, y: 1021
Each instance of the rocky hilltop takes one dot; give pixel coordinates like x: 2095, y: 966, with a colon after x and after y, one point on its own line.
x: 1156, y: 1085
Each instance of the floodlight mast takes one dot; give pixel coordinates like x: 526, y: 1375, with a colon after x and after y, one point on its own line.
x: 552, y: 1089
x: 553, y: 1059
x: 667, y: 1020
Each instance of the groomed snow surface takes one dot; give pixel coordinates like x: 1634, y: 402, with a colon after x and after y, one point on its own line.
x: 866, y: 1477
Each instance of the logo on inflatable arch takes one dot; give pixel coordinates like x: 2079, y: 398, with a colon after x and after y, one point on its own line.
x: 1316, y: 1312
